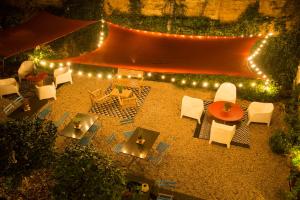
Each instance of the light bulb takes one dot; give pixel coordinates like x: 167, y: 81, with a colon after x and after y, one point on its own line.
x: 80, y: 73
x: 173, y: 79
x: 205, y: 84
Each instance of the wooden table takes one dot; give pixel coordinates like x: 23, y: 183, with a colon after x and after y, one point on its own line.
x: 216, y: 109
x: 138, y: 150
x: 87, y: 120
x: 124, y: 94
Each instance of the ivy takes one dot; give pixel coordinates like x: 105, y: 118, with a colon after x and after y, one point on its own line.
x: 248, y: 23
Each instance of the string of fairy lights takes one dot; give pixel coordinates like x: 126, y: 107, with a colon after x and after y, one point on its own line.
x: 101, y: 36
x: 253, y: 66
x: 163, y: 77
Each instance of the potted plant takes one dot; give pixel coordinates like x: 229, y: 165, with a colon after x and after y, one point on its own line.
x: 76, y: 122
x: 227, y: 106
x: 120, y: 88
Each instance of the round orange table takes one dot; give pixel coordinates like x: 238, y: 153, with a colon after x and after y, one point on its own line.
x: 216, y: 109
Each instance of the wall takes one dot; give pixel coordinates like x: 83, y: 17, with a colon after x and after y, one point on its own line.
x: 224, y: 10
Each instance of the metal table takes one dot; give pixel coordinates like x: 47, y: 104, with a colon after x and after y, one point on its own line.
x: 131, y: 147
x: 87, y: 120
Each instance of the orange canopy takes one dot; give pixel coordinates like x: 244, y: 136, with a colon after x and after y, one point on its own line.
x: 40, y: 29
x: 158, y: 52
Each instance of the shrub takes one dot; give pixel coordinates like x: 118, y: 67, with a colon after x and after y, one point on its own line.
x: 279, y: 142
x: 25, y: 145
x: 82, y: 173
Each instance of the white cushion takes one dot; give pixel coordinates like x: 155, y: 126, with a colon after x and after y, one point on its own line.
x: 226, y: 92
x: 221, y: 133
x: 260, y: 112
x: 192, y: 107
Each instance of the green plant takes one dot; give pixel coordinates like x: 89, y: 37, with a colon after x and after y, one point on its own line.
x: 295, y: 157
x: 25, y: 145
x: 120, y: 88
x: 279, y: 142
x: 83, y: 173
x: 227, y: 106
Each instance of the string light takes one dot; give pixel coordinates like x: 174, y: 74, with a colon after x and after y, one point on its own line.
x: 163, y: 77
x: 43, y: 63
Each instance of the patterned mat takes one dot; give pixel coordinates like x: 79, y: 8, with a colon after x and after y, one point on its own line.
x: 112, y: 108
x: 241, y: 136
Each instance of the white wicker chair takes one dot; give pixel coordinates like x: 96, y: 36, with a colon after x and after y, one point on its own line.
x: 26, y: 68
x: 221, y: 133
x: 260, y: 112
x: 62, y: 75
x: 226, y: 92
x: 8, y: 86
x: 192, y: 107
x: 46, y: 91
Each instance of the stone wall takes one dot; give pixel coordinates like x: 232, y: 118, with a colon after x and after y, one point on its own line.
x: 224, y: 10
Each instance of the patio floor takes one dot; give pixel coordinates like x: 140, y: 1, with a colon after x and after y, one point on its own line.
x: 200, y: 170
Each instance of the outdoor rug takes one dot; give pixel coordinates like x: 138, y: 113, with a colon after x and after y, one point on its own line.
x: 112, y: 108
x: 241, y: 136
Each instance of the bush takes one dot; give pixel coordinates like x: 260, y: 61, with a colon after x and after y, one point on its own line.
x: 25, y: 145
x: 82, y: 173
x: 279, y: 142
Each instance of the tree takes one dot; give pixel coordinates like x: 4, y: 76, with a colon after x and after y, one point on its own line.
x: 25, y: 145
x: 83, y: 173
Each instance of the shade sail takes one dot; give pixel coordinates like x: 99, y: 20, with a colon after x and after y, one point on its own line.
x: 40, y: 29
x: 157, y: 52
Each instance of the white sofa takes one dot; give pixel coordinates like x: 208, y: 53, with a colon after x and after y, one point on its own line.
x: 221, y: 133
x: 226, y: 92
x: 62, y: 75
x: 192, y: 107
x: 26, y: 68
x: 260, y: 112
x: 46, y: 91
x: 8, y: 86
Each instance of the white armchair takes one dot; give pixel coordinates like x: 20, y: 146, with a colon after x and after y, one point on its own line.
x: 25, y: 69
x: 192, y: 107
x: 62, y: 75
x: 260, y: 112
x: 46, y: 91
x: 8, y: 86
x: 226, y: 92
x: 221, y: 133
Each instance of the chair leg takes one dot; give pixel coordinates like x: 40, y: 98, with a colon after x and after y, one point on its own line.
x: 248, y: 123
x: 210, y: 141
x: 228, y: 146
